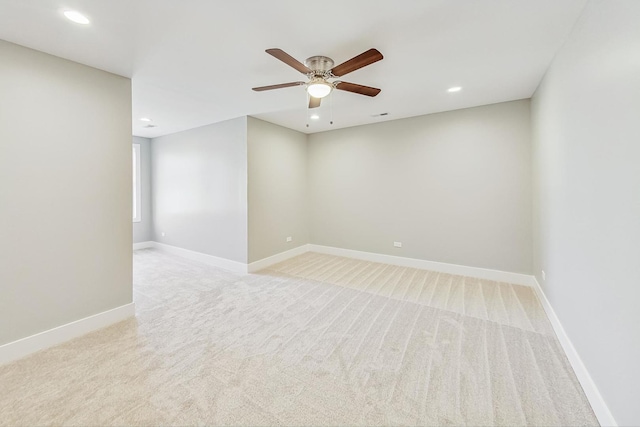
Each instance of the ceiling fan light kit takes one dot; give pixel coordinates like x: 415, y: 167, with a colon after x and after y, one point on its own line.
x: 319, y: 88
x: 319, y: 70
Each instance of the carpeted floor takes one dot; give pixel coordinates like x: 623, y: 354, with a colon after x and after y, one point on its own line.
x: 316, y: 340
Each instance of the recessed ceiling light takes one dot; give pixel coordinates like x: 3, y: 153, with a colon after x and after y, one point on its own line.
x: 76, y: 17
x: 315, y: 117
x: 144, y: 119
x: 455, y: 89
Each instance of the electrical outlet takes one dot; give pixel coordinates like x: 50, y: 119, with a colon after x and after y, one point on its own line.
x: 397, y: 244
x: 162, y: 234
x: 289, y: 239
x: 544, y: 276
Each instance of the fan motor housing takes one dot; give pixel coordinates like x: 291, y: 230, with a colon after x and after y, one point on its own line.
x: 319, y: 63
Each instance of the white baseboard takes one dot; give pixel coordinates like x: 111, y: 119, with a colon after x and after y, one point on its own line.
x: 227, y: 264
x: 462, y: 270
x: 239, y: 267
x: 143, y: 245
x: 274, y: 259
x: 605, y: 418
x: 25, y: 346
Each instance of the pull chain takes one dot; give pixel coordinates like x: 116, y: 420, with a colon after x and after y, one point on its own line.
x: 308, y: 98
x: 331, y: 108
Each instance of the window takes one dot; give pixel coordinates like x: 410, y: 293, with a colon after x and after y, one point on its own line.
x: 137, y: 202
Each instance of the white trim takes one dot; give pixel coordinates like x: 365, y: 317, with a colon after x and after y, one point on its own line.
x: 227, y: 264
x: 605, y: 418
x: 143, y: 245
x: 274, y: 259
x: 462, y: 270
x: 239, y: 267
x: 137, y: 187
x: 25, y: 346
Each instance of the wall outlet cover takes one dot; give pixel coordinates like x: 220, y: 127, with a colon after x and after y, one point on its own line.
x: 397, y: 244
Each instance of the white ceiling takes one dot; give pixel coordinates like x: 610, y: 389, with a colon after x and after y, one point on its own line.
x: 194, y: 62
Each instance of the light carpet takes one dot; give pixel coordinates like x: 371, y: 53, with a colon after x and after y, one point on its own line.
x: 316, y: 340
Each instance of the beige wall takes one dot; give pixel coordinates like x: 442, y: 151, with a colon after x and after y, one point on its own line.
x: 65, y: 191
x: 453, y: 187
x: 199, y: 191
x: 586, y: 151
x: 277, y: 190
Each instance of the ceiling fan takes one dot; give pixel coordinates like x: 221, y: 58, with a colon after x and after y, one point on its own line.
x: 319, y: 70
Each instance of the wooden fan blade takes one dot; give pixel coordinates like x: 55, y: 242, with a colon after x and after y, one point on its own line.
x: 288, y: 59
x: 362, y: 90
x: 355, y: 63
x: 314, y: 102
x: 261, y: 88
